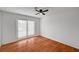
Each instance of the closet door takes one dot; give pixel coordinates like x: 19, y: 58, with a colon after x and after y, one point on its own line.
x: 22, y: 28
x: 31, y: 28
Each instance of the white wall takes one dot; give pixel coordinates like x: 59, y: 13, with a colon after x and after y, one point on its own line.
x: 0, y: 27
x: 9, y: 32
x: 9, y: 28
x: 62, y: 24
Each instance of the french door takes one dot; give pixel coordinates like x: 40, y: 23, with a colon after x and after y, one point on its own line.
x: 26, y: 28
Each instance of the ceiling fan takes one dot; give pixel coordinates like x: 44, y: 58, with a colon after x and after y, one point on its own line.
x: 42, y: 11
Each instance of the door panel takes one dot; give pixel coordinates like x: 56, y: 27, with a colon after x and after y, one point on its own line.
x: 31, y: 28
x: 22, y: 28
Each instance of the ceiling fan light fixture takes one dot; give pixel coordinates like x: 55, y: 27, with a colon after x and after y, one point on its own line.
x: 40, y: 10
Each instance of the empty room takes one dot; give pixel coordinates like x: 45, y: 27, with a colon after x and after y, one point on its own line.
x: 39, y: 29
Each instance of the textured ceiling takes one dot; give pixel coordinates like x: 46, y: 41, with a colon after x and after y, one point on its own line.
x: 22, y: 10
x: 31, y: 11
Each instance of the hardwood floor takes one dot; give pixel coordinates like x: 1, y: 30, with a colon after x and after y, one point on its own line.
x: 37, y: 44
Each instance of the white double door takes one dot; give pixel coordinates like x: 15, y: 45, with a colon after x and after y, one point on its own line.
x: 26, y: 28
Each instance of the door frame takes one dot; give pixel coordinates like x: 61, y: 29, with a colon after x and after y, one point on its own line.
x: 27, y: 28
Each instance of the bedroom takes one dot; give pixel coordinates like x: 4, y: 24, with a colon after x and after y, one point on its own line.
x: 23, y: 30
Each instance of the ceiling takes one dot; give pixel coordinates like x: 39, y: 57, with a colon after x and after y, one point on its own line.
x: 23, y: 10
x: 30, y: 11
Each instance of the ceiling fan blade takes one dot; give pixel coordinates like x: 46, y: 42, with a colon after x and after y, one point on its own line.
x: 36, y: 9
x: 45, y: 10
x: 43, y: 13
x: 37, y: 14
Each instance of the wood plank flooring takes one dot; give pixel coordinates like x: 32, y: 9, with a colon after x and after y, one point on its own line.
x: 37, y: 44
